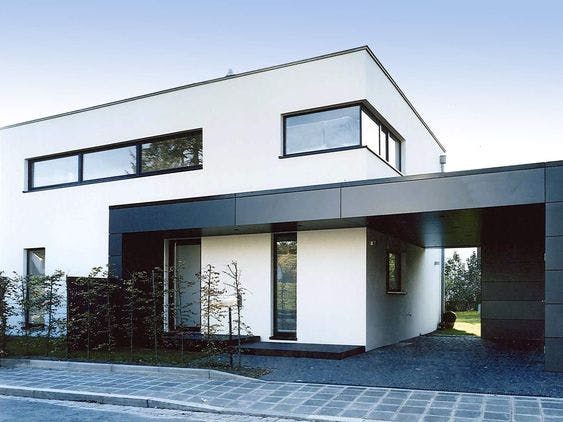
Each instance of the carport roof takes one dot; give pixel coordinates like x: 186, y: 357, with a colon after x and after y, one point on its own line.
x: 431, y: 210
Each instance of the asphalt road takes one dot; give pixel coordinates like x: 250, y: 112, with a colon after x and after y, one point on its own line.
x: 29, y: 410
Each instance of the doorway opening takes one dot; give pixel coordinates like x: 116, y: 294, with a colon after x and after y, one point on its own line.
x: 462, y: 291
x: 182, y: 286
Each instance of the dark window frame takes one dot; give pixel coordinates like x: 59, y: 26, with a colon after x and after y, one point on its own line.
x: 279, y: 335
x: 399, y: 261
x: 79, y: 154
x: 27, y: 323
x: 362, y: 105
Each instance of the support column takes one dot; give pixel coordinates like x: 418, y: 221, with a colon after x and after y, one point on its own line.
x: 554, y: 269
x: 512, y: 278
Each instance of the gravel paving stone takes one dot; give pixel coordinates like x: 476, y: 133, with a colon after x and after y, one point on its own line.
x: 436, y: 411
x: 388, y: 407
x: 469, y: 406
x: 460, y: 413
x: 381, y: 416
x: 412, y: 409
x: 434, y: 418
x: 329, y: 411
x: 305, y: 410
x: 496, y: 416
x: 526, y: 418
x: 354, y: 413
x: 406, y: 417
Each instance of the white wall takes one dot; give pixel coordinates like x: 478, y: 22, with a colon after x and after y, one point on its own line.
x: 331, y: 274
x: 389, y: 317
x: 253, y: 254
x: 331, y: 288
x: 242, y: 130
x: 420, y: 151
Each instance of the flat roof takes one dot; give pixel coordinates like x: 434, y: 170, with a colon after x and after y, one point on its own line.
x: 239, y: 75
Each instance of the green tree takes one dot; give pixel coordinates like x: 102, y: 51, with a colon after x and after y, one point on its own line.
x: 463, y: 282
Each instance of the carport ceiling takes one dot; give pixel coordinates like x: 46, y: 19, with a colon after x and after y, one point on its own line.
x: 460, y: 228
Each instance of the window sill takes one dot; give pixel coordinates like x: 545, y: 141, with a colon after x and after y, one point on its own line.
x: 399, y: 172
x: 322, y: 151
x: 397, y: 293
x: 115, y: 178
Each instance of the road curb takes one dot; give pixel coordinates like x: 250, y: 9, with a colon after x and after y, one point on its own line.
x: 211, y: 374
x: 148, y: 402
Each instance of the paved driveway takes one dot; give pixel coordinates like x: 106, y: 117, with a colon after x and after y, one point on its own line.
x: 466, y: 364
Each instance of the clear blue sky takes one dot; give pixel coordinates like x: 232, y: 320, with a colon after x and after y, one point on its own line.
x: 486, y: 75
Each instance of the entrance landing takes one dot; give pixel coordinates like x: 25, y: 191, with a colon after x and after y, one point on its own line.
x: 302, y: 350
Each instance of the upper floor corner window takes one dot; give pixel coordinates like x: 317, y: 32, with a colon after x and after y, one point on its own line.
x: 379, y: 139
x: 155, y: 155
x: 175, y: 152
x: 340, y: 128
x: 322, y: 130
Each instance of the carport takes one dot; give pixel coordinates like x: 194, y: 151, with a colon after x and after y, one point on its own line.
x: 514, y: 214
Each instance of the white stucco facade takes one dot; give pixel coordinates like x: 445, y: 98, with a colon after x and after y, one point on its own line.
x: 340, y: 295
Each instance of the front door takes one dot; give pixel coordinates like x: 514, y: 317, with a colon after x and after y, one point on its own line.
x: 187, y: 301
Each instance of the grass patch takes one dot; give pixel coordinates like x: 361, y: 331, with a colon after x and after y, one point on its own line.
x: 41, y: 348
x: 468, y: 323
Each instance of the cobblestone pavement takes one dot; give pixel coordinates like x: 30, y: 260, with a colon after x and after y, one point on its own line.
x: 256, y: 397
x: 38, y: 410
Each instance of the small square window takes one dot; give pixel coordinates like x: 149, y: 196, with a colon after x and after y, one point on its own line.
x: 394, y: 272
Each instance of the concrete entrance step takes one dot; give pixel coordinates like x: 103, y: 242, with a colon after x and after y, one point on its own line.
x: 302, y: 350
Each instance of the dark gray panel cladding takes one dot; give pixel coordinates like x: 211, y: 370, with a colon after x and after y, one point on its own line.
x: 554, y: 219
x: 115, y: 264
x: 115, y: 243
x: 554, y: 286
x: 285, y: 207
x: 553, y: 320
x: 509, y: 291
x: 554, y: 253
x: 506, y: 329
x: 512, y: 309
x: 554, y: 354
x: 462, y: 192
x: 554, y: 183
x: 173, y: 216
x: 513, y: 277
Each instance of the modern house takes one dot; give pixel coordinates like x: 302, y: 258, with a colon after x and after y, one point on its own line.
x: 318, y: 177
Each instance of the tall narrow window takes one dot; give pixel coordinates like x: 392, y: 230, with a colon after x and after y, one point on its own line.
x: 370, y: 133
x: 285, y: 285
x: 394, y: 272
x: 35, y: 269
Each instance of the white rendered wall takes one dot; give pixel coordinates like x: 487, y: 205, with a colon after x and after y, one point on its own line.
x: 390, y: 317
x: 331, y: 286
x: 420, y: 151
x: 253, y: 254
x: 242, y: 132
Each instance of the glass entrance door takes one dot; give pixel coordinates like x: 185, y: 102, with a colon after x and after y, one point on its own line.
x: 285, y: 285
x: 186, y: 285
